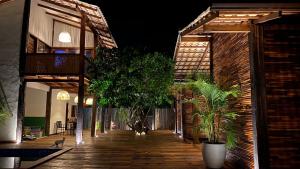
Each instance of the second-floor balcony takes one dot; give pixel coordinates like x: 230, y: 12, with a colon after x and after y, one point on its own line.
x: 53, y: 64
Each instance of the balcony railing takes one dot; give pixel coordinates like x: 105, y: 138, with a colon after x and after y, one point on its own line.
x: 52, y: 64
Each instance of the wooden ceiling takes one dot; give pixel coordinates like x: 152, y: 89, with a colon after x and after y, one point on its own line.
x: 192, y: 52
x: 68, y: 83
x: 71, y: 11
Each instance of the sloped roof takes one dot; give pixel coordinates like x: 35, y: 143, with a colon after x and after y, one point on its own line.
x: 191, y: 54
x: 95, y: 18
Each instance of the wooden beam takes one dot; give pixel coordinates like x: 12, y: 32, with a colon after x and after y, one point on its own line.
x: 59, y: 10
x: 194, y: 39
x: 205, y: 19
x: 79, y: 127
x: 226, y: 28
x: 51, y: 80
x: 192, y: 47
x: 272, y: 16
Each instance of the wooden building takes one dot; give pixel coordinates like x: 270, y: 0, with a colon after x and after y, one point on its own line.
x: 47, y: 46
x: 255, y: 46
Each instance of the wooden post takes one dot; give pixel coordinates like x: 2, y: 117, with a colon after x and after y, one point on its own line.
x: 21, y: 104
x: 48, y: 112
x: 109, y: 116
x: 79, y: 126
x: 258, y: 98
x: 94, y: 114
x: 102, y: 120
x: 154, y: 120
x: 211, y: 59
x: 67, y: 115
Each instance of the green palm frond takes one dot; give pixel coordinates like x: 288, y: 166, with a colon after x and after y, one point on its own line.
x: 216, y: 118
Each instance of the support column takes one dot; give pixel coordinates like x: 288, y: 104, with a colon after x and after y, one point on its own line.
x: 79, y: 126
x: 109, y: 116
x: 94, y: 115
x: 258, y: 98
x: 102, y: 119
x: 48, y: 112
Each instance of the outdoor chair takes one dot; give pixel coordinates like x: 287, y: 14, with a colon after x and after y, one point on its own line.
x: 60, y: 128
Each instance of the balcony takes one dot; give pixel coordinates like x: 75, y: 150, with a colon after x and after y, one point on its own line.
x: 53, y: 64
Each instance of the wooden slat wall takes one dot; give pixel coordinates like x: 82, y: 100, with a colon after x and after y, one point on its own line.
x: 231, y: 67
x: 282, y: 78
x: 187, y: 109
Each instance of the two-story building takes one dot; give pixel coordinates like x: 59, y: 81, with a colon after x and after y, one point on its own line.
x: 44, y: 46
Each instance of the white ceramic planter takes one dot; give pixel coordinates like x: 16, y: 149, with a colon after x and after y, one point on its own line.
x: 214, y: 155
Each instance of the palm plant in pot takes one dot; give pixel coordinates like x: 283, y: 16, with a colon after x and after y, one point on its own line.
x: 212, y: 106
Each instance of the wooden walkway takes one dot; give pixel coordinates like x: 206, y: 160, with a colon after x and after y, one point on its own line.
x: 125, y: 150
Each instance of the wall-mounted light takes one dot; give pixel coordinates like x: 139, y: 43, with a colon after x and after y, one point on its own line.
x: 64, y: 37
x: 63, y: 95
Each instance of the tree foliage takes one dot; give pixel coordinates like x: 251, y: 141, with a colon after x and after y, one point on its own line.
x: 131, y: 79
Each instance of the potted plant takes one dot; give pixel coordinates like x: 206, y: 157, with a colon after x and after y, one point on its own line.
x: 216, y: 119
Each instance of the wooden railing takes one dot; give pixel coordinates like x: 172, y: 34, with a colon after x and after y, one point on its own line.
x: 52, y: 64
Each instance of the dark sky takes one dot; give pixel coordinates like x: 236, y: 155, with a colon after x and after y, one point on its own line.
x: 149, y: 23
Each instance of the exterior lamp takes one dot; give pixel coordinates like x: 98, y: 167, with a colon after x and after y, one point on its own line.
x: 64, y: 37
x: 89, y: 101
x: 63, y: 95
x: 76, y: 100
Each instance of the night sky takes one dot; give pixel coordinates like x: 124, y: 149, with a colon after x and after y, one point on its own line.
x: 153, y: 24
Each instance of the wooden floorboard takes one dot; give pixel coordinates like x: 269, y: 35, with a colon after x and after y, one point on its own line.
x: 124, y: 150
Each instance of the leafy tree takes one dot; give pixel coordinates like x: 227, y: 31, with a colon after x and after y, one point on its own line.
x: 136, y: 81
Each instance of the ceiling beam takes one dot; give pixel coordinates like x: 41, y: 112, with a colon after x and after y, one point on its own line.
x: 226, y: 28
x: 59, y: 10
x: 194, y: 39
x: 272, y: 16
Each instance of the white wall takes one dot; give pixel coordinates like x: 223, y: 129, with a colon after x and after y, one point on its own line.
x: 58, y: 110
x: 40, y: 24
x: 75, y: 36
x: 11, y: 19
x: 35, y: 102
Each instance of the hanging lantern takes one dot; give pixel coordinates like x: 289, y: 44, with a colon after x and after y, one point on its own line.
x: 64, y: 37
x: 89, y: 101
x: 63, y: 95
x: 76, y: 100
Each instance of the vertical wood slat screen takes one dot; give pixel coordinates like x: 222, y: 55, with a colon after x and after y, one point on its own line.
x: 281, y: 46
x: 232, y: 67
x: 164, y: 119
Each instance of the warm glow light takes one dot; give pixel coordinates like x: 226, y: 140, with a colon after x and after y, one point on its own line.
x: 89, y: 101
x: 64, y: 37
x: 76, y: 100
x: 63, y: 95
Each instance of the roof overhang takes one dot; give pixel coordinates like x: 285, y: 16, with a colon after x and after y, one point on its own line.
x: 235, y: 17
x: 72, y: 11
x: 192, y: 51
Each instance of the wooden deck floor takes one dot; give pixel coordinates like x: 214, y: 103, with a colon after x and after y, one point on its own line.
x: 122, y: 149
